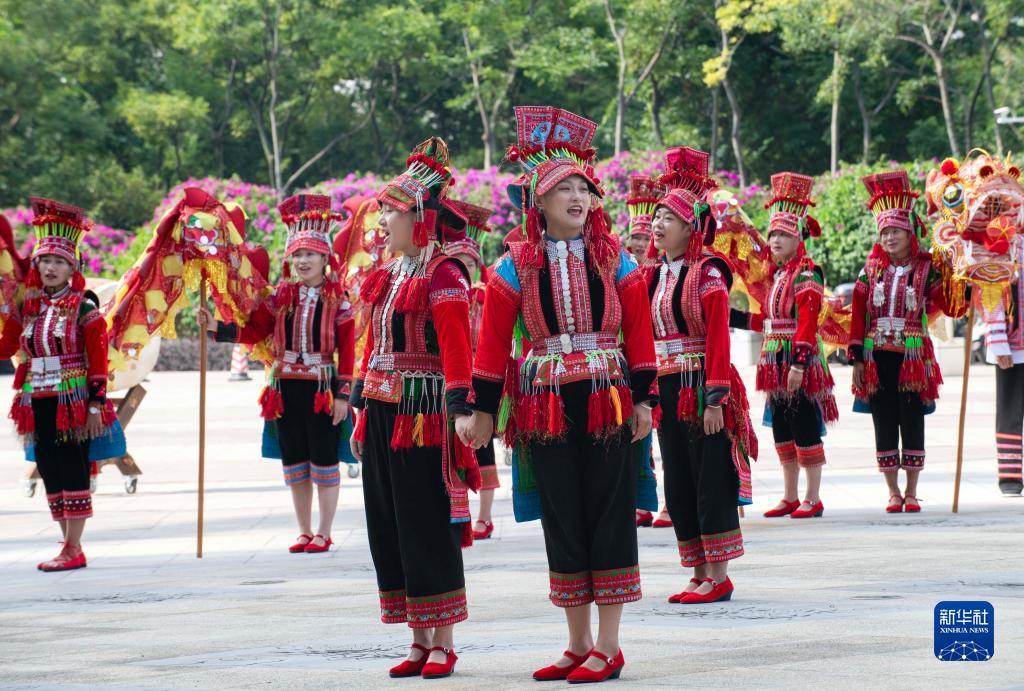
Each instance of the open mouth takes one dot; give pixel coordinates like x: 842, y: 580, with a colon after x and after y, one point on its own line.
x: 576, y: 211
x: 659, y: 235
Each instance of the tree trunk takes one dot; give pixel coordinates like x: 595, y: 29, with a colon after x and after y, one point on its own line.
x: 865, y: 119
x: 656, y: 113
x: 474, y: 73
x: 947, y: 110
x: 837, y: 67
x: 992, y: 106
x: 620, y: 94
x: 734, y: 136
x: 714, y: 127
x: 275, y: 141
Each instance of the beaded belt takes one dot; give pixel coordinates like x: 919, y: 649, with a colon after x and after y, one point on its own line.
x: 679, y: 345
x: 780, y: 326
x: 567, y: 344
x: 292, y: 357
x: 46, y: 371
x: 405, y: 362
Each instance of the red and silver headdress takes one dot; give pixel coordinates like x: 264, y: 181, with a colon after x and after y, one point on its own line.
x: 644, y: 193
x: 310, y: 221
x: 892, y: 201
x: 59, y: 229
x: 789, y: 206
x: 476, y: 228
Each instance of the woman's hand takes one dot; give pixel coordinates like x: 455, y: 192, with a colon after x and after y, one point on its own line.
x: 357, y: 449
x: 714, y: 420
x: 475, y: 430
x: 94, y: 422
x: 205, y: 319
x: 340, y: 411
x: 795, y: 380
x: 641, y: 421
x: 858, y: 375
x: 1004, y: 361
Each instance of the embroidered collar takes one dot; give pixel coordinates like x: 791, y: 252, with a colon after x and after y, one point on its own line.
x: 53, y: 298
x: 577, y: 246
x: 901, y: 262
x: 407, y: 264
x: 675, y: 266
x: 309, y: 292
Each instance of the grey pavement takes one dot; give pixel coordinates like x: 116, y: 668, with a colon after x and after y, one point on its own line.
x: 845, y: 601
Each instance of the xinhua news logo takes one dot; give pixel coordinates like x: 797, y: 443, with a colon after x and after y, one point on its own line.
x: 964, y: 631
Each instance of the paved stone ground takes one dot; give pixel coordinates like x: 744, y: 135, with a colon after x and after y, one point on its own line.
x: 845, y: 601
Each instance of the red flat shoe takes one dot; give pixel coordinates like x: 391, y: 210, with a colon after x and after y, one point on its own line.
x: 68, y: 564
x: 311, y: 548
x: 663, y: 520
x: 556, y: 673
x: 644, y: 519
x: 896, y: 508
x: 674, y: 599
x: 612, y: 669
x: 815, y: 511
x: 299, y: 545
x: 410, y: 668
x: 911, y: 506
x: 439, y: 670
x: 787, y: 508
x: 485, y: 533
x: 720, y: 592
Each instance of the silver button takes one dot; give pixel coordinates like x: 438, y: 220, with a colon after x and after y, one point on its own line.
x: 566, y: 343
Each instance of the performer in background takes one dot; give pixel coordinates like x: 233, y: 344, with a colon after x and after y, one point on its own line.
x: 468, y: 251
x: 308, y: 324
x: 644, y: 193
x: 705, y: 433
x: 61, y: 379
x: 792, y: 370
x: 414, y: 378
x: 582, y: 395
x: 894, y: 369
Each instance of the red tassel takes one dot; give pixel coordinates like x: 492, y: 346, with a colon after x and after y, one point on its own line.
x: 372, y: 288
x: 401, y: 437
x: 412, y: 296
x: 467, y: 535
x: 78, y: 282
x: 33, y: 279
x: 271, y: 403
x: 63, y: 418
x: 871, y: 377
x: 359, y: 433
x: 829, y: 410
x: 687, y: 408
x: 465, y: 459
x: 626, y: 400
x: 323, y: 402
x: 420, y: 233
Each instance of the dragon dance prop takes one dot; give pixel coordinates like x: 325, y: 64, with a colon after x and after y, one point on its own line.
x: 979, y: 209
x: 200, y: 241
x: 13, y: 268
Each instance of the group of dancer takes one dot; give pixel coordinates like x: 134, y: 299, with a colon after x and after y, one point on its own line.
x: 572, y: 347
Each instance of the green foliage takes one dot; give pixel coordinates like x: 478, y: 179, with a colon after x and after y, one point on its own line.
x: 108, y: 105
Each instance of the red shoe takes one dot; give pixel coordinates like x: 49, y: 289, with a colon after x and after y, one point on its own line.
x: 814, y: 512
x: 612, y: 669
x: 485, y: 533
x: 311, y: 548
x: 410, y: 668
x: 720, y: 592
x: 675, y: 599
x: 299, y: 545
x: 787, y: 508
x: 896, y: 508
x: 644, y: 519
x: 556, y: 673
x: 663, y: 520
x: 911, y: 506
x: 63, y: 562
x: 438, y: 670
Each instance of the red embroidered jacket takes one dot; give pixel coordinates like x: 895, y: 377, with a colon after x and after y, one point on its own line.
x: 892, y: 302
x: 418, y: 335
x: 690, y: 314
x: 570, y: 314
x: 294, y: 317
x: 63, y: 345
